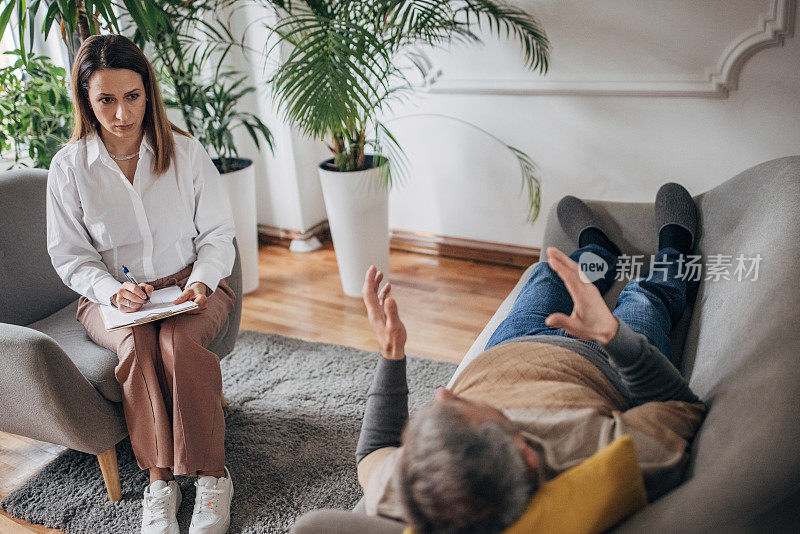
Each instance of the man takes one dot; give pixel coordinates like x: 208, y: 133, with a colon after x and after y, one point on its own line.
x: 560, y: 378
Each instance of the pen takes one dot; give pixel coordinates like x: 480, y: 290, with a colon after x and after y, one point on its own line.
x: 132, y: 280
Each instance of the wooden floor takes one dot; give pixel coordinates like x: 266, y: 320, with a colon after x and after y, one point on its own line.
x: 443, y: 302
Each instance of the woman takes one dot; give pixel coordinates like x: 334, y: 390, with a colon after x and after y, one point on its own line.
x: 130, y: 188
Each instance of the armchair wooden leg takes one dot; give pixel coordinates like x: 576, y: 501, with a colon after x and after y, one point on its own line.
x: 110, y: 470
x: 224, y: 401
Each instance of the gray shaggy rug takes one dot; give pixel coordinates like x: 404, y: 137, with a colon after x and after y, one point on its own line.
x: 293, y: 420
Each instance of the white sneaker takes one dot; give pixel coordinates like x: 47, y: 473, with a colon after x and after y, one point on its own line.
x: 212, y: 505
x: 159, y: 507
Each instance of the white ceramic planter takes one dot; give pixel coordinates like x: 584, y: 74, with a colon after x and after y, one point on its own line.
x: 358, y: 214
x: 241, y: 185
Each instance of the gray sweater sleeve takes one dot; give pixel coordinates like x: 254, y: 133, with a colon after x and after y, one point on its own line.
x: 644, y: 371
x: 386, y: 412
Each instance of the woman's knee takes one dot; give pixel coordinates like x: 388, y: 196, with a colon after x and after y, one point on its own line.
x: 135, y: 349
x: 179, y: 344
x: 125, y: 345
x: 140, y: 339
x: 168, y: 338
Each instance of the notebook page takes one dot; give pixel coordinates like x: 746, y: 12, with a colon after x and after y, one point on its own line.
x: 160, y: 302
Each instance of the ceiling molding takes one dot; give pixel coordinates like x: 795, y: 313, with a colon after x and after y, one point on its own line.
x: 770, y: 30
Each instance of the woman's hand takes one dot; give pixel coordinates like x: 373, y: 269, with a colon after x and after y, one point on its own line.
x: 383, y: 315
x: 196, y: 291
x: 591, y: 319
x: 130, y: 297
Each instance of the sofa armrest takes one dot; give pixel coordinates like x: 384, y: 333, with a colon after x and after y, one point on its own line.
x: 45, y: 396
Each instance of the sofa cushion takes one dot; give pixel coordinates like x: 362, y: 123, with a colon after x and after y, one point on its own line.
x: 93, y: 361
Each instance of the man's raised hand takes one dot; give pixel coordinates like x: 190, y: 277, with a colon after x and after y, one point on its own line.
x: 383, y: 316
x: 590, y: 319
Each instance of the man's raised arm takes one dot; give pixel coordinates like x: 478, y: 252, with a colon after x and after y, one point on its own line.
x: 386, y: 411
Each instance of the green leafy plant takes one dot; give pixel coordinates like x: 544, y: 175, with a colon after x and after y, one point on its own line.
x: 35, y: 109
x: 169, y: 30
x: 208, y: 104
x: 348, y: 61
x: 80, y: 18
x: 211, y: 113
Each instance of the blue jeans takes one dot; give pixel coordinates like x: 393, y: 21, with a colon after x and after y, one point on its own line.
x: 650, y: 307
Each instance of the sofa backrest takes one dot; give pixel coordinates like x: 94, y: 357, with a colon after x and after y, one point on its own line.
x: 739, y: 349
x: 30, y: 289
x: 741, y: 357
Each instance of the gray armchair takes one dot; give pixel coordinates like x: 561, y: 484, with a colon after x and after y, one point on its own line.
x: 740, y: 352
x: 57, y: 385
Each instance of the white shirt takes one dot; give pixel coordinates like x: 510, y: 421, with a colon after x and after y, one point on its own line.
x: 97, y: 221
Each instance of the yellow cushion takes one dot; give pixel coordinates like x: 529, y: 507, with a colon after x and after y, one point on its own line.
x: 589, y: 498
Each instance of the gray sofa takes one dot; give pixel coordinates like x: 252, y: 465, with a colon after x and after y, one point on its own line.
x: 56, y: 384
x: 741, y: 351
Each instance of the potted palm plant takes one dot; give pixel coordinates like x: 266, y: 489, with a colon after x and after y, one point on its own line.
x: 344, y: 63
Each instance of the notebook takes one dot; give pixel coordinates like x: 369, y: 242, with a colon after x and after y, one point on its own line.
x: 159, y: 307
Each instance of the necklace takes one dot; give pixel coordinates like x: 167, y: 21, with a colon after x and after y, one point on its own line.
x: 123, y: 158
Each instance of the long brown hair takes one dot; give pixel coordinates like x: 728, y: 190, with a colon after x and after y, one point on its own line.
x: 100, y: 52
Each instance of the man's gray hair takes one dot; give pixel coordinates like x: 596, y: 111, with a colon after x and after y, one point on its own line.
x: 458, y: 476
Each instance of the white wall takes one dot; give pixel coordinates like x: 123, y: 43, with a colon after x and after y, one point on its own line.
x: 601, y: 147
x: 287, y: 187
x: 611, y: 120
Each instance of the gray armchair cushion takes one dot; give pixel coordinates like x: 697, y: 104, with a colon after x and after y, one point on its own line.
x: 46, y: 397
